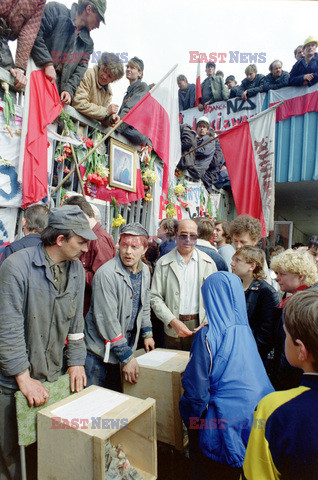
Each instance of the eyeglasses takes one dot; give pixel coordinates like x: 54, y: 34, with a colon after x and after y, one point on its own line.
x: 184, y: 237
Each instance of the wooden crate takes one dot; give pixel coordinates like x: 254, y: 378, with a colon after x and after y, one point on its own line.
x: 163, y: 383
x: 77, y: 451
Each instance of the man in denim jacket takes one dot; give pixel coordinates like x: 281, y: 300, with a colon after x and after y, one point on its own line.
x: 119, y: 313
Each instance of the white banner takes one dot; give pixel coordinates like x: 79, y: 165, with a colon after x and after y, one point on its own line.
x: 10, y: 188
x: 224, y: 115
x: 8, y: 220
x: 262, y: 132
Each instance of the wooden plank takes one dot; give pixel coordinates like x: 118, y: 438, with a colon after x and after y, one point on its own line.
x: 138, y: 210
x: 99, y: 458
x: 81, y: 451
x: 163, y: 383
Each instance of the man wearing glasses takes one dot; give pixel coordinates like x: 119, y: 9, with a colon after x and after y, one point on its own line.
x: 176, y: 287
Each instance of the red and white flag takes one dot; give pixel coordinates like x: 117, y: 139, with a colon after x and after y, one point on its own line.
x: 156, y: 116
x: 44, y: 108
x: 297, y: 101
x: 249, y: 152
x: 198, y: 90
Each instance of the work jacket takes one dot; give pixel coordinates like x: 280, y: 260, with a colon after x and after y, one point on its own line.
x: 58, y: 42
x: 109, y: 316
x: 91, y: 98
x: 165, y: 288
x: 36, y: 320
x: 301, y: 68
x: 251, y: 87
x: 274, y: 83
x: 23, y: 18
x: 214, y: 90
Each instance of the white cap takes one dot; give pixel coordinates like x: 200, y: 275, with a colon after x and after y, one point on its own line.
x: 203, y: 119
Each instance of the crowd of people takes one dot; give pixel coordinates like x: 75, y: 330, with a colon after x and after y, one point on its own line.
x: 215, y: 89
x: 58, y: 40
x: 74, y: 302
x: 200, y: 287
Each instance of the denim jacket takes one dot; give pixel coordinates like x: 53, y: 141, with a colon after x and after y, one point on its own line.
x: 111, y: 308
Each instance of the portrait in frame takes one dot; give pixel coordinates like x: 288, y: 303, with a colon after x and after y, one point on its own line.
x: 122, y: 166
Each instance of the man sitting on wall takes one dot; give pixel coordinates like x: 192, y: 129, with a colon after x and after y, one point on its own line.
x: 252, y: 84
x: 136, y: 90
x: 231, y: 84
x: 277, y: 78
x: 63, y: 45
x: 19, y: 20
x: 298, y: 52
x: 213, y: 88
x: 305, y: 70
x: 186, y: 93
x: 94, y: 94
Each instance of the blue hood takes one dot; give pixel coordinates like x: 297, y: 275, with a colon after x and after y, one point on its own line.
x: 237, y: 379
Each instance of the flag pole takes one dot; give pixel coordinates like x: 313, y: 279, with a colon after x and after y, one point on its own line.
x: 86, y: 156
x: 162, y: 80
x: 109, y: 133
x: 251, y: 119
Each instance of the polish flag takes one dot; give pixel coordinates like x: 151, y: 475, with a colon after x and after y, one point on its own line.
x: 44, y: 107
x: 198, y: 90
x: 156, y: 116
x: 297, y: 101
x: 249, y: 152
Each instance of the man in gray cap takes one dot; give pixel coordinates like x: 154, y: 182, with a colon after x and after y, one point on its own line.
x: 63, y: 45
x: 119, y: 313
x: 42, y: 294
x: 135, y: 92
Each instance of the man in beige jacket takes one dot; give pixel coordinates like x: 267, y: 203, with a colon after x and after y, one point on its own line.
x: 176, y: 287
x: 94, y: 94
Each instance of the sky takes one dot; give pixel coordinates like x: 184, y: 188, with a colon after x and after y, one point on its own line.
x: 163, y: 33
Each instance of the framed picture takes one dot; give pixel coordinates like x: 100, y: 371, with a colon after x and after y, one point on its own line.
x: 122, y: 166
x: 283, y: 233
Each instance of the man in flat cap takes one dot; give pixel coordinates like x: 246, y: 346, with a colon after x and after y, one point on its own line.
x: 135, y: 92
x: 63, y: 45
x: 119, y: 313
x: 42, y: 294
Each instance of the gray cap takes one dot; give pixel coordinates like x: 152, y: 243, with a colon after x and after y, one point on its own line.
x: 134, y: 229
x: 71, y: 217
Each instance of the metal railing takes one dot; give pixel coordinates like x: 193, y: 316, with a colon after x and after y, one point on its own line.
x: 140, y: 211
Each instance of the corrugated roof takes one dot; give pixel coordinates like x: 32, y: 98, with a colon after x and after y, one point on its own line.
x: 297, y: 148
x: 296, y: 151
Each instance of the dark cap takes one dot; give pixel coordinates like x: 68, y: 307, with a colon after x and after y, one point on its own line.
x: 100, y: 6
x: 134, y: 229
x: 139, y: 62
x: 229, y: 79
x: 210, y: 64
x: 71, y: 217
